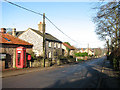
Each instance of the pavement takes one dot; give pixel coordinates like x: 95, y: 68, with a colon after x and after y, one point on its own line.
x: 16, y: 72
x: 109, y: 78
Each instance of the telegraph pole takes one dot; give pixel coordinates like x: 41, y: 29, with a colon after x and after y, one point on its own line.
x: 44, y: 38
x: 88, y: 47
x: 119, y: 21
x: 108, y: 46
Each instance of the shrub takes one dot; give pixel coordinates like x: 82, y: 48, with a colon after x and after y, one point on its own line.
x: 59, y: 62
x: 81, y: 54
x: 70, y: 57
x: 39, y: 58
x: 33, y: 56
x: 90, y: 55
x: 36, y: 63
x: 63, y: 59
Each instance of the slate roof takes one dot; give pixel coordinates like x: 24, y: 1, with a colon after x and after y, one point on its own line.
x: 19, y: 33
x: 68, y: 46
x: 48, y: 36
x: 6, y: 38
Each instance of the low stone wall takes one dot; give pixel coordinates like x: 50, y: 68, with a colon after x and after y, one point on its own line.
x: 83, y: 58
x: 2, y: 65
x: 36, y: 63
x: 47, y: 63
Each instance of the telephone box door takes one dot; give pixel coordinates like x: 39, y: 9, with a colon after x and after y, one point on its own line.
x: 20, y: 57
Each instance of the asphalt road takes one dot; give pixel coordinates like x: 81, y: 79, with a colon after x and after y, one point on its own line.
x: 81, y: 75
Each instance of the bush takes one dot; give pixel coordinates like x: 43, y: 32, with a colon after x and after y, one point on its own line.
x: 90, y: 55
x: 80, y: 60
x: 115, y: 59
x: 63, y: 59
x: 70, y: 56
x: 33, y: 56
x: 70, y: 60
x: 59, y: 62
x: 81, y: 54
x: 39, y: 58
x: 36, y: 63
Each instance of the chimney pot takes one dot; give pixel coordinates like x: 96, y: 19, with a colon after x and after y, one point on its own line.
x: 14, y: 31
x: 3, y: 30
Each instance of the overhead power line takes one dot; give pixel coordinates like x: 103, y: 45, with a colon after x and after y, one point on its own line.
x: 60, y: 30
x: 40, y: 15
x: 23, y: 7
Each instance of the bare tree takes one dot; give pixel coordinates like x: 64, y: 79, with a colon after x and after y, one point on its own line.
x: 106, y: 21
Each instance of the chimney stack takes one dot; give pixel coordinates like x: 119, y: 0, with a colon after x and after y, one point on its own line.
x: 14, y: 31
x: 3, y: 30
x: 40, y: 27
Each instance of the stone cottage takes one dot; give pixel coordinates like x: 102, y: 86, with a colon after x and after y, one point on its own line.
x: 53, y: 46
x: 8, y: 45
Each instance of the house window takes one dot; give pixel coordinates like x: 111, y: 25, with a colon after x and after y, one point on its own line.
x: 55, y: 53
x: 54, y: 45
x: 50, y: 44
x: 49, y: 54
x: 58, y: 45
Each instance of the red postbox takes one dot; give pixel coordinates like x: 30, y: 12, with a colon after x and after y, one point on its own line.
x: 29, y: 57
x: 20, y: 57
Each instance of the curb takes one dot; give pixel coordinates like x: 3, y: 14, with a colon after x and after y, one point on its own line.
x: 33, y: 70
x: 27, y: 70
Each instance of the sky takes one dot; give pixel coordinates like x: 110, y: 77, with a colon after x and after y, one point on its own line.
x: 73, y: 18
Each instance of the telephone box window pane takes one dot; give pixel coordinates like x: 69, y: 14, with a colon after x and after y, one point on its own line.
x: 18, y: 58
x: 24, y: 58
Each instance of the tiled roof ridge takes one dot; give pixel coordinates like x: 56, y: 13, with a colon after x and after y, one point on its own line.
x: 70, y: 47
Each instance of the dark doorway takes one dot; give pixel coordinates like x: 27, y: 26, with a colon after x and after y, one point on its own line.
x: 8, y: 61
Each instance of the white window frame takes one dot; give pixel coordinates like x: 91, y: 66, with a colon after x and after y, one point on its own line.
x: 58, y: 45
x: 54, y: 45
x: 49, y: 55
x: 50, y: 44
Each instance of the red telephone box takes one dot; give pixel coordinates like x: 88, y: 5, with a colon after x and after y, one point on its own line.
x: 20, y: 57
